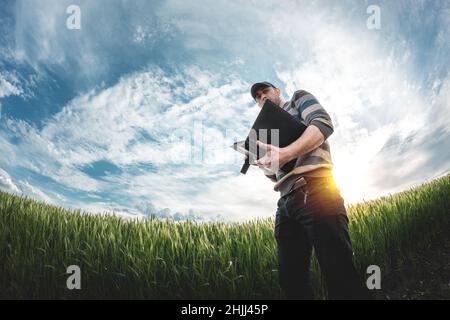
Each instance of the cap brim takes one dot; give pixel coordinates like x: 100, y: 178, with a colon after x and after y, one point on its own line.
x: 256, y: 87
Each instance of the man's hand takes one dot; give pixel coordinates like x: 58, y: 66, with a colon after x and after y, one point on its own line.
x: 278, y: 157
x: 274, y: 158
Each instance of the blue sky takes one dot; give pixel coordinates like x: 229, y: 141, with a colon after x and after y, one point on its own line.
x: 133, y: 113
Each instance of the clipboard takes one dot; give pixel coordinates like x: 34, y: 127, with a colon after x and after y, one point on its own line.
x: 271, y: 116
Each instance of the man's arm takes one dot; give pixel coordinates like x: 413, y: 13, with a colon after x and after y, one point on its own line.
x: 311, y: 138
x: 319, y: 123
x: 308, y: 141
x: 320, y: 127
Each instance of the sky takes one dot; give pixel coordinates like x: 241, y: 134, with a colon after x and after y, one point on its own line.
x: 132, y: 111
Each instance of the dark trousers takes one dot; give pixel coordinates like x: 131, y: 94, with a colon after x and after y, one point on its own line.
x: 314, y: 216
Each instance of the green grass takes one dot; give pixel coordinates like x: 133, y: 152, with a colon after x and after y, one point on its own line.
x: 161, y: 259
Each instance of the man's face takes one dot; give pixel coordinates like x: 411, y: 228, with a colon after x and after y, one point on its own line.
x: 265, y: 93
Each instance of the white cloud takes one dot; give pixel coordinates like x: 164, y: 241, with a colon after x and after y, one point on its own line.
x: 111, y: 33
x: 6, y: 183
x: 107, y: 208
x: 35, y: 192
x: 107, y: 125
x: 22, y: 188
x: 237, y: 198
x: 234, y: 197
x: 371, y: 100
x: 9, y: 85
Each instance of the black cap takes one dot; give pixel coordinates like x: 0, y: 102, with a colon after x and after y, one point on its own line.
x: 258, y: 86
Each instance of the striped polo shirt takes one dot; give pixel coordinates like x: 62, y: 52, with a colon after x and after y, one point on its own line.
x: 316, y: 163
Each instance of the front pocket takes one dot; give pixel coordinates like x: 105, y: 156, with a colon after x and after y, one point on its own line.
x: 326, y: 201
x: 297, y: 197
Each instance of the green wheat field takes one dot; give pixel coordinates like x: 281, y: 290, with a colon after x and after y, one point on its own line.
x: 159, y: 259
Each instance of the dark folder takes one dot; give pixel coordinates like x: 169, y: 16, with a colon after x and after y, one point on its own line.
x: 270, y: 117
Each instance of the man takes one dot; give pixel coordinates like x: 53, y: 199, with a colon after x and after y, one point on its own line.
x: 311, y: 212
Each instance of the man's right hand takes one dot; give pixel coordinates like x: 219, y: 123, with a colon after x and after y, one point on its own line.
x: 267, y: 171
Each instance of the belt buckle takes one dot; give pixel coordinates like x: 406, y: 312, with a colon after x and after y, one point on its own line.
x: 298, y: 184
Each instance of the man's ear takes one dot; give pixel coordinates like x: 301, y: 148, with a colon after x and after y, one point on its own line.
x: 277, y: 91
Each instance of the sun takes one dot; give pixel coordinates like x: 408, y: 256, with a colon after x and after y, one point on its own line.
x: 351, y: 178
